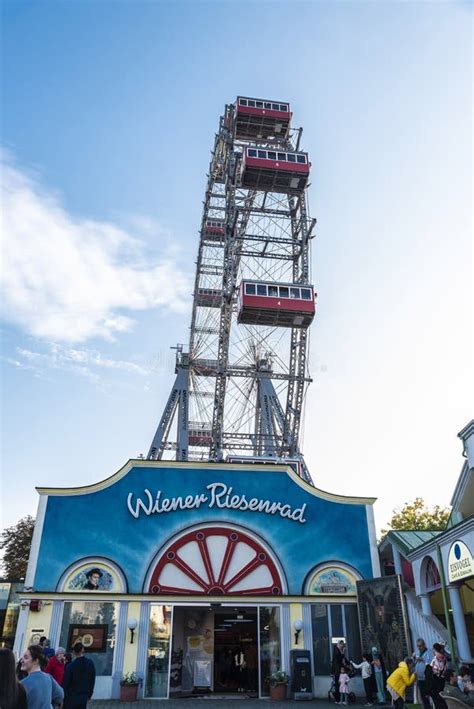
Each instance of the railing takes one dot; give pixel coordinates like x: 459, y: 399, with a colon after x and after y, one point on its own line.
x: 423, y: 626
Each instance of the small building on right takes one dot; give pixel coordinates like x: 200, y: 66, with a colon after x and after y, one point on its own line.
x: 437, y: 568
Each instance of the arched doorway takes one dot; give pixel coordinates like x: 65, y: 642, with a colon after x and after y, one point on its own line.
x: 221, y: 647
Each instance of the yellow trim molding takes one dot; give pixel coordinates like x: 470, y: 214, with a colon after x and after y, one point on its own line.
x: 237, y: 467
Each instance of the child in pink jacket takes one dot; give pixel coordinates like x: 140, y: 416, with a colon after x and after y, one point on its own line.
x: 344, y: 680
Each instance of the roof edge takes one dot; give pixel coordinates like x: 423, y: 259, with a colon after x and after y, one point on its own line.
x: 138, y: 462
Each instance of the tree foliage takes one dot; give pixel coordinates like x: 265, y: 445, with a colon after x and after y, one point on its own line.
x: 16, y: 542
x: 417, y: 516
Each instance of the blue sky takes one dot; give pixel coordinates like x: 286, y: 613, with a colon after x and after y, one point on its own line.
x: 110, y: 109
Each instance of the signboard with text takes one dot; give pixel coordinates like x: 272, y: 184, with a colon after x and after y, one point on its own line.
x: 460, y: 562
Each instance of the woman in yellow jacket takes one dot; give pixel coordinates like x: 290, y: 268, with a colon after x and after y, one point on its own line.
x: 399, y: 680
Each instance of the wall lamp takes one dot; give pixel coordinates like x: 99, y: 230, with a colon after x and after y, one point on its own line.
x: 298, y: 626
x: 132, y: 624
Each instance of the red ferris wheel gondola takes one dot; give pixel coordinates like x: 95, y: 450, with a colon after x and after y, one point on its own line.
x: 261, y: 119
x: 281, y: 304
x: 274, y: 170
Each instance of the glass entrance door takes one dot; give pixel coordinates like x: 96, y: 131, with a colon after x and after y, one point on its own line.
x: 269, y: 645
x: 236, y: 651
x: 158, y: 661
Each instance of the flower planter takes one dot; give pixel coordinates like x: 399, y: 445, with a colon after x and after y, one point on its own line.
x: 278, y: 692
x: 128, y: 692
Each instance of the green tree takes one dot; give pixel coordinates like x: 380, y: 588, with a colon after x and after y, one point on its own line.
x: 15, y: 542
x: 417, y: 516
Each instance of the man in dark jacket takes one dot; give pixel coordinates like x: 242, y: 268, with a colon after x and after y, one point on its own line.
x: 79, y: 680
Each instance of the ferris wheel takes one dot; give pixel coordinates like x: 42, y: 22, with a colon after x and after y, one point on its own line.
x: 240, y: 384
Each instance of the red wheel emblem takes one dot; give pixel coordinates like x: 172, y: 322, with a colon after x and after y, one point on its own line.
x: 216, y: 561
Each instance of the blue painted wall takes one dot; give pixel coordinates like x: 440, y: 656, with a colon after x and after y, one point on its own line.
x: 100, y: 524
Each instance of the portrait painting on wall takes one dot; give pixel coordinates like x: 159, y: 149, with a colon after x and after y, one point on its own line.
x: 94, y: 578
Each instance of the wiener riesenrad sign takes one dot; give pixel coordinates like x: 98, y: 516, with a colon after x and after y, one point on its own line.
x: 217, y: 495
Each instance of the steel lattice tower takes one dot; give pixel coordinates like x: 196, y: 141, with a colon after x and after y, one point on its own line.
x: 239, y: 388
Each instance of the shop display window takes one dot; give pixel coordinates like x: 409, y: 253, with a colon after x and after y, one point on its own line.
x: 80, y: 614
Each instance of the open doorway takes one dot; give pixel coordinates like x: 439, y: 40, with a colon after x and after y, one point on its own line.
x: 236, y: 651
x: 214, y: 650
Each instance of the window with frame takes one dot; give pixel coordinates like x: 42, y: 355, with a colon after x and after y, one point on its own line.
x: 259, y: 104
x: 262, y: 153
x: 86, y: 613
x: 273, y: 291
x: 271, y: 155
x: 261, y: 289
x: 333, y: 620
x: 283, y: 107
x: 295, y: 293
x: 276, y: 106
x: 251, y: 103
x: 291, y: 157
x: 281, y: 156
x: 250, y: 288
x: 306, y: 294
x: 268, y: 105
x: 252, y: 153
x: 301, y: 159
x: 284, y: 292
x: 243, y: 101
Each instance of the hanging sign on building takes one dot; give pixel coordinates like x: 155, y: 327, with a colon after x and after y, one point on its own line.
x: 460, y: 562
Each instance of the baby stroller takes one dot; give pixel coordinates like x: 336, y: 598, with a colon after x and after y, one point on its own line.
x: 351, y: 697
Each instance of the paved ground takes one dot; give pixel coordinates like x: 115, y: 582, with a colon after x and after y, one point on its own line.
x: 193, y: 703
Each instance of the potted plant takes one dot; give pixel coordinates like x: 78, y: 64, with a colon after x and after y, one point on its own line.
x: 278, y: 683
x: 129, y: 687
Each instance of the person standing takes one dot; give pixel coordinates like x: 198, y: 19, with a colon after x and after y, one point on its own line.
x: 438, y: 666
x: 366, y: 671
x: 46, y: 646
x: 12, y: 692
x: 79, y: 680
x: 422, y: 658
x: 56, y: 665
x: 42, y: 690
x: 379, y: 675
x: 344, y: 680
x: 339, y: 659
x: 399, y: 680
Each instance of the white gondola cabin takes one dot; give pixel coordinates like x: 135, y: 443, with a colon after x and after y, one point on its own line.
x: 274, y: 170
x: 281, y: 304
x: 260, y: 119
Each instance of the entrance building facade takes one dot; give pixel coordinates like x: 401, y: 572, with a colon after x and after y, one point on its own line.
x: 199, y: 577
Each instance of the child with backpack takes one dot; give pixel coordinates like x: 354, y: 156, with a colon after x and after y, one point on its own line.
x: 366, y: 671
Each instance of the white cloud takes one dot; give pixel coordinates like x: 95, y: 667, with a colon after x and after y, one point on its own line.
x: 70, y: 279
x: 89, y: 364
